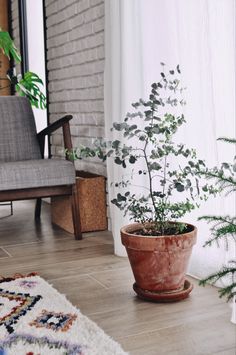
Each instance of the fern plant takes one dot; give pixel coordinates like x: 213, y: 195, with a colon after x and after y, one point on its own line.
x: 26, y: 85
x: 223, y: 227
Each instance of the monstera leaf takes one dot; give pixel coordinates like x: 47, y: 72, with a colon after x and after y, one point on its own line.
x: 28, y: 86
x: 8, y: 47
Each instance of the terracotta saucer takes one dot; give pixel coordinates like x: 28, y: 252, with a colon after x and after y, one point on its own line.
x: 168, y: 296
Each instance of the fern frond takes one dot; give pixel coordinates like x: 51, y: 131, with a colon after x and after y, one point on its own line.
x: 230, y: 191
x: 225, y: 230
x: 225, y: 271
x: 223, y: 227
x: 228, y: 291
x: 219, y: 219
x: 223, y: 182
x: 227, y: 140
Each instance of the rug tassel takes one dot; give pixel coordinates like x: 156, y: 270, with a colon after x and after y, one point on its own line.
x: 16, y: 276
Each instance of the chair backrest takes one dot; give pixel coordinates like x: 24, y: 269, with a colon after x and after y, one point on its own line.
x: 18, y: 136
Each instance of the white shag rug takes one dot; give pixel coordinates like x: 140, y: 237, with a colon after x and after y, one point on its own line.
x: 36, y: 319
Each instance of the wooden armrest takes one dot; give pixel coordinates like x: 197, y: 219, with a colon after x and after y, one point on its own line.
x: 62, y: 122
x: 54, y: 126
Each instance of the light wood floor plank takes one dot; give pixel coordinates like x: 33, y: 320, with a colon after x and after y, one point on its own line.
x: 100, y: 284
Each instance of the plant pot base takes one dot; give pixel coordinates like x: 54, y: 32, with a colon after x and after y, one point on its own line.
x: 167, y: 296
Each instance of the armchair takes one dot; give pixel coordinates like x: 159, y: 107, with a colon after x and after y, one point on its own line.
x: 24, y: 173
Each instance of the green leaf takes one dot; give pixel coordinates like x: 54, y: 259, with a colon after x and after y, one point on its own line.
x: 115, y: 144
x: 119, y: 126
x: 131, y: 128
x: 142, y: 138
x: 155, y: 166
x: 225, y: 166
x: 148, y: 113
x: 120, y: 198
x: 118, y: 161
x: 179, y: 187
x: 191, y: 163
x: 28, y: 86
x: 132, y: 159
x: 8, y: 47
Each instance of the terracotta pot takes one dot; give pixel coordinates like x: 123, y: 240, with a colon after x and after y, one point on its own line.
x: 159, y: 264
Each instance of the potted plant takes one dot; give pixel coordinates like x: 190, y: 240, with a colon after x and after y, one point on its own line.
x: 223, y: 228
x: 158, y: 246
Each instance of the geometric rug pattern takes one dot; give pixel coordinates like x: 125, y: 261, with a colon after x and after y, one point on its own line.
x: 13, y: 306
x: 36, y: 319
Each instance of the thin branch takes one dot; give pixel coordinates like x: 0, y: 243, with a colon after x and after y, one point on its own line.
x: 160, y: 176
x: 150, y: 178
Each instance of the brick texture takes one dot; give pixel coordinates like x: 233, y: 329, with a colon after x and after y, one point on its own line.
x: 16, y: 28
x: 75, y: 43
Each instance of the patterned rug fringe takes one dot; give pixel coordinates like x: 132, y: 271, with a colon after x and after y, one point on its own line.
x: 16, y: 276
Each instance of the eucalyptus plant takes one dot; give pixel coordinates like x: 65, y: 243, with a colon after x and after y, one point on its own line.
x: 223, y: 227
x: 26, y: 85
x: 174, y: 185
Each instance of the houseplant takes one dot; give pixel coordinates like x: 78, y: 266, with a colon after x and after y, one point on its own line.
x: 223, y: 227
x: 25, y: 85
x: 157, y: 245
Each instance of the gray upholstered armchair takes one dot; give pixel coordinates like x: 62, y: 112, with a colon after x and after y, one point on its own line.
x: 24, y: 174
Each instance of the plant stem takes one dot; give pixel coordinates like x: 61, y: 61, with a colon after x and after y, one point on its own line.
x: 162, y: 224
x: 150, y: 178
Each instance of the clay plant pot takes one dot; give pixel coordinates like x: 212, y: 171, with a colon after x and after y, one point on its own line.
x: 159, y: 264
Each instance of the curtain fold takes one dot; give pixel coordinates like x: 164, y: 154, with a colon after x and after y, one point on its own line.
x: 199, y: 35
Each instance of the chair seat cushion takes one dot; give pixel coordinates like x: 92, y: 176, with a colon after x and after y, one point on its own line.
x: 36, y: 173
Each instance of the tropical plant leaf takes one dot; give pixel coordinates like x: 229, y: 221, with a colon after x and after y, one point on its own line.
x: 28, y: 86
x: 8, y: 47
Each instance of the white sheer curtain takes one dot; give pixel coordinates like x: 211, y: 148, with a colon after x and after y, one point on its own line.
x: 199, y: 35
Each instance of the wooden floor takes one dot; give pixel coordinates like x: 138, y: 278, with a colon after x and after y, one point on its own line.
x: 100, y: 284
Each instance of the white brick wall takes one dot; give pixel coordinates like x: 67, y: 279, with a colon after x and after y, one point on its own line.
x: 75, y: 40
x: 16, y: 28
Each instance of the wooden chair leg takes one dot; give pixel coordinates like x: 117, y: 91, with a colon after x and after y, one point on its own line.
x: 76, y: 214
x: 37, y: 212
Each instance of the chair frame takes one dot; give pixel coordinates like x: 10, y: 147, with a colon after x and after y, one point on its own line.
x: 49, y: 191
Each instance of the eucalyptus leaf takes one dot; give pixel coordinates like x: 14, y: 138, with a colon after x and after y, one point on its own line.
x: 179, y: 187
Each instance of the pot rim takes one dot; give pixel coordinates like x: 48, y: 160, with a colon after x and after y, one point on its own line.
x: 136, y: 226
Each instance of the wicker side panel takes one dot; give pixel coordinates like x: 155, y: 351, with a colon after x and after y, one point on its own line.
x: 92, y: 206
